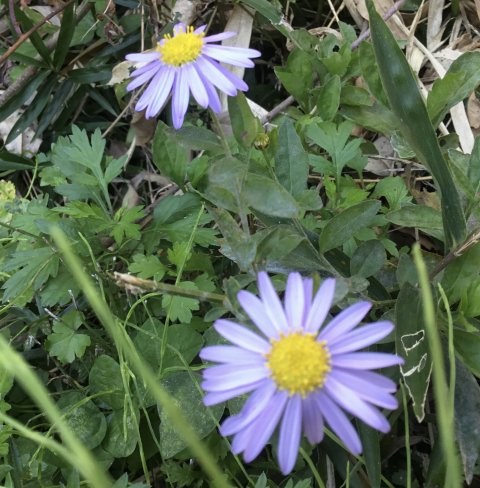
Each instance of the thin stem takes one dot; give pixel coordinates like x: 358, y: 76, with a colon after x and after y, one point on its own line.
x: 408, y: 452
x: 221, y: 133
x: 312, y: 467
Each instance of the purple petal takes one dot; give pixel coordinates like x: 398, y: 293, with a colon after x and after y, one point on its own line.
x: 320, y: 306
x: 179, y: 28
x: 241, y: 377
x: 146, y: 67
x: 222, y: 396
x: 161, y: 93
x: 142, y: 57
x: 251, y: 410
x: 262, y: 428
x: 228, y: 373
x: 365, y: 360
x: 226, y: 54
x: 241, y: 336
x: 364, y: 389
x: 196, y: 85
x: 229, y: 354
x: 378, y: 380
x: 213, y: 99
x: 312, y: 420
x: 272, y: 303
x: 181, y: 96
x: 144, y: 76
x: 307, y: 293
x: 294, y: 301
x: 200, y: 29
x: 290, y: 430
x: 156, y: 93
x: 352, y: 403
x: 219, y: 37
x: 360, y: 338
x: 255, y: 309
x: 344, y: 321
x: 234, y: 79
x: 338, y: 422
x: 215, y: 76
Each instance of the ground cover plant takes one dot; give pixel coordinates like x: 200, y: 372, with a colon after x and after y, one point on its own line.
x: 239, y: 243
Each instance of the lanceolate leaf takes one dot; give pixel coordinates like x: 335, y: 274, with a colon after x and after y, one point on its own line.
x: 407, y: 104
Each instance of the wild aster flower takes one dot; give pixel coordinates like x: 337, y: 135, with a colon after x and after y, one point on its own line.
x: 302, y: 374
x: 188, y: 62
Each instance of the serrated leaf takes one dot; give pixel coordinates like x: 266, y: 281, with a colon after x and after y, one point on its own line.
x: 147, y: 267
x: 347, y: 223
x: 406, y: 102
x: 64, y: 343
x: 181, y: 308
x: 328, y: 98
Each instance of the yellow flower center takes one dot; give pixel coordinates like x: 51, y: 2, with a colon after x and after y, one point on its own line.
x: 298, y: 363
x: 181, y: 48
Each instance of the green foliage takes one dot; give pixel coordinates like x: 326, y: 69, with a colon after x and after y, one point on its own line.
x: 169, y: 229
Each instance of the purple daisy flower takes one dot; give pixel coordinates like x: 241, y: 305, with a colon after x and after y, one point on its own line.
x: 302, y: 375
x: 188, y: 62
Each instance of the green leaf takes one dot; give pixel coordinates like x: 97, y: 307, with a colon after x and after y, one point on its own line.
x: 10, y: 161
x: 291, y: 159
x: 269, y: 197
x: 371, y: 451
x: 197, y: 139
x: 125, y: 224
x: 33, y: 110
x: 394, y: 190
x: 328, y: 98
x: 181, y: 307
x: 105, y: 378
x: 34, y: 37
x: 376, y: 118
x: 467, y: 345
x: 147, y: 267
x: 461, y: 79
x: 467, y: 419
x: 416, y: 216
x: 180, y: 338
x: 297, y: 75
x: 83, y: 417
x: 347, y: 223
x: 237, y: 245
x: 244, y: 124
x: 37, y: 265
x: 67, y: 28
x: 461, y: 273
x: 187, y: 396
x: 168, y: 156
x: 368, y: 258
x: 64, y: 343
x: 96, y: 74
x: 406, y: 102
x: 22, y: 96
x: 412, y: 346
x: 278, y: 243
x: 122, y: 433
